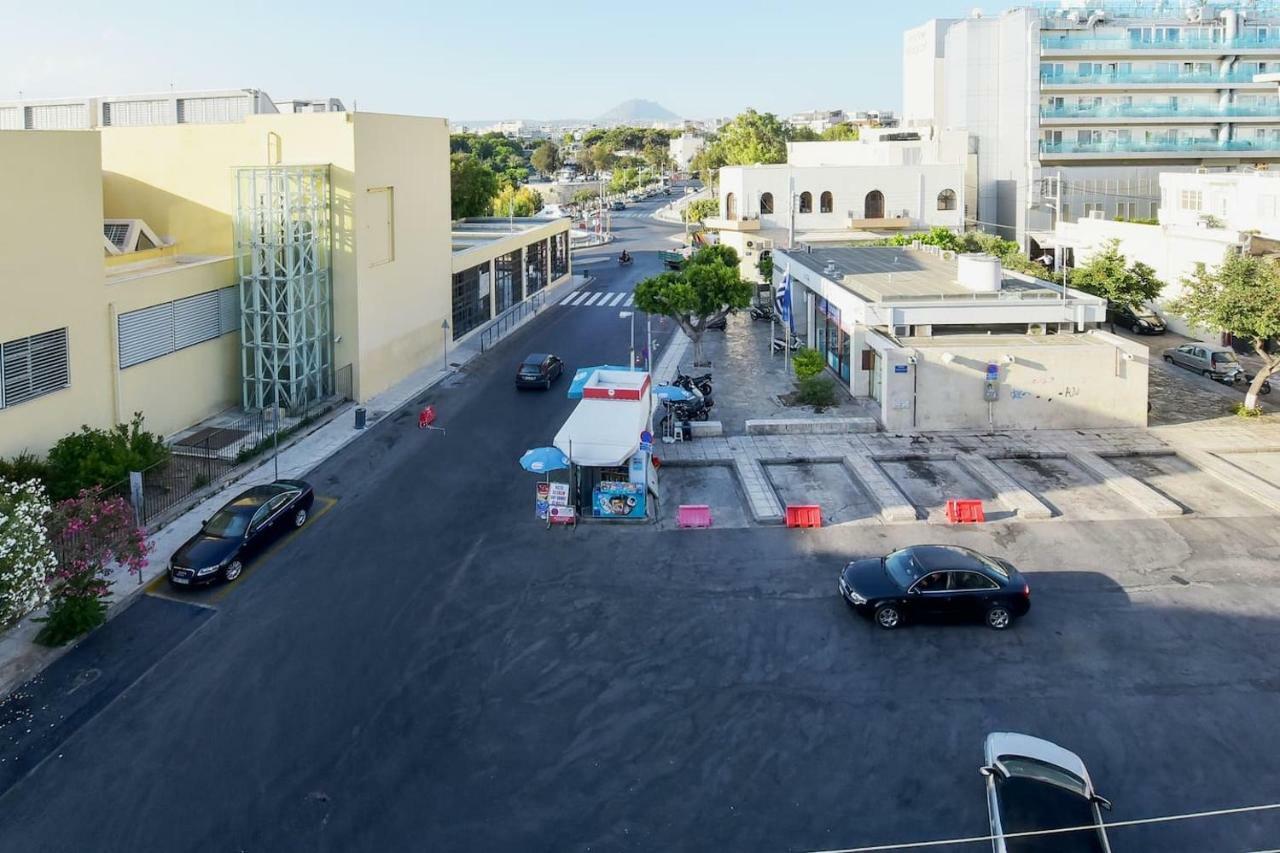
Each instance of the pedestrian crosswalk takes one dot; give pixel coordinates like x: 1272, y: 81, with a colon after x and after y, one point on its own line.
x: 598, y: 299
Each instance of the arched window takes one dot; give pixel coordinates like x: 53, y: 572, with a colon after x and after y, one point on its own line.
x: 826, y: 203
x: 730, y: 207
x: 947, y: 200
x: 806, y: 202
x: 874, y: 207
x: 766, y: 203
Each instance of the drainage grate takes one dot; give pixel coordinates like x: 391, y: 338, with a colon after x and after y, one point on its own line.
x: 1179, y: 579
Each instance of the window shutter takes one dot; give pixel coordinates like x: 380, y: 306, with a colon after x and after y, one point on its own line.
x: 145, y: 334
x: 196, y: 319
x: 229, y: 308
x: 34, y: 366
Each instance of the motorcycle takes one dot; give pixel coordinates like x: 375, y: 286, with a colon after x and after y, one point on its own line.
x: 719, y: 325
x: 695, y: 384
x: 779, y: 344
x: 691, y: 410
x: 625, y: 262
x: 1237, y: 377
x: 763, y: 312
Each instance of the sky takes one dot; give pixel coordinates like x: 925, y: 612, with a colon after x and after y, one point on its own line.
x: 475, y: 59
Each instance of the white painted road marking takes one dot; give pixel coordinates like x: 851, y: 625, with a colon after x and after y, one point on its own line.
x: 583, y: 296
x: 594, y: 297
x: 570, y: 296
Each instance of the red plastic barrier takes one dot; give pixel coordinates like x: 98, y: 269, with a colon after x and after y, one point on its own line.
x: 693, y: 515
x: 965, y: 512
x: 426, y: 417
x: 805, y: 515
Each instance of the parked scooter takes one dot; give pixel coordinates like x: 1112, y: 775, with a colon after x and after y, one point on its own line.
x: 692, y: 410
x: 695, y: 384
x: 779, y: 344
x: 1236, y: 376
x: 763, y: 312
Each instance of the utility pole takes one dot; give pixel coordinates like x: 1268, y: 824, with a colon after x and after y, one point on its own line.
x: 791, y: 220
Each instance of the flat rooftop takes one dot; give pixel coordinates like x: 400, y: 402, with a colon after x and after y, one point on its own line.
x: 483, y: 230
x: 892, y: 273
x: 943, y: 341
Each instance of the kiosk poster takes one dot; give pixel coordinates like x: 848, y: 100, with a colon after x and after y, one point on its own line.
x: 542, y: 496
x: 559, y: 495
x: 618, y: 500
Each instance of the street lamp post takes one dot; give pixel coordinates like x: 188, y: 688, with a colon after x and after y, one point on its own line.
x: 622, y: 315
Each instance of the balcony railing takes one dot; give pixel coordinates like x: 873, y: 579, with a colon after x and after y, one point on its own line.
x: 1051, y: 10
x: 1074, y: 78
x: 1104, y: 45
x: 1270, y: 147
x: 1159, y: 111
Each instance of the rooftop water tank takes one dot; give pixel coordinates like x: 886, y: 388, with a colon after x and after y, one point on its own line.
x: 980, y: 273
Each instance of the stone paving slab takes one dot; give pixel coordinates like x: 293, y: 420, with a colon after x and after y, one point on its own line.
x: 1007, y: 489
x: 1238, y: 478
x: 894, y: 506
x: 1139, y: 493
x: 761, y: 498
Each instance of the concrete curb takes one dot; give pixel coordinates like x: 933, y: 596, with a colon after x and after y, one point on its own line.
x: 1137, y: 492
x: 894, y: 506
x: 1008, y: 491
x: 1238, y: 478
x: 761, y: 498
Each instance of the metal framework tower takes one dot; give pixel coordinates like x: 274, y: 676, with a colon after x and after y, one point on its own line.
x: 286, y: 310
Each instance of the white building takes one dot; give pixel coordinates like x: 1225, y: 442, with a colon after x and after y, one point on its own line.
x: 201, y: 107
x: 1097, y: 99
x: 939, y: 342
x: 311, y: 105
x: 684, y: 148
x: 843, y: 191
x: 1201, y: 217
x: 819, y: 121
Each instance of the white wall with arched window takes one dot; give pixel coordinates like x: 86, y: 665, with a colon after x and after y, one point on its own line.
x: 826, y: 202
x: 766, y: 204
x: 806, y: 202
x: 947, y: 200
x: 873, y: 207
x: 730, y: 206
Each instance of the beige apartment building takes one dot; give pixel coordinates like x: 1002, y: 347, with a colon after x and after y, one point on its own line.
x: 183, y: 270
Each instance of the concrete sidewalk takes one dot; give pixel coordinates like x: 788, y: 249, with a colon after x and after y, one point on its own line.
x: 21, y: 657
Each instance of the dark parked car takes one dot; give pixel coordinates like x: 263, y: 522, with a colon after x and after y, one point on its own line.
x: 936, y: 582
x: 1140, y: 320
x: 539, y: 370
x: 1034, y: 785
x: 239, y: 531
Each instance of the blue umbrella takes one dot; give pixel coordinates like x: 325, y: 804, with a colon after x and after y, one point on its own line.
x: 672, y: 394
x: 582, y: 376
x: 543, y: 459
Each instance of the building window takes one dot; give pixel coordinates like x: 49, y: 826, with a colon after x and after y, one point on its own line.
x: 559, y: 255
x: 766, y: 203
x: 1190, y: 200
x: 535, y: 266
x: 730, y: 206
x: 506, y: 271
x: 471, y: 304
x: 806, y: 202
x: 32, y: 367
x: 947, y: 200
x: 826, y: 203
x: 874, y: 206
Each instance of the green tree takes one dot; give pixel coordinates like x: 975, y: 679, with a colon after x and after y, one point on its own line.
x: 700, y: 209
x: 704, y: 291
x: 602, y: 157
x: 764, y: 265
x: 511, y: 201
x: 803, y: 133
x: 1241, y: 296
x: 807, y: 362
x: 750, y: 138
x: 99, y: 457
x: 472, y: 184
x: 657, y: 156
x: 624, y: 179
x: 843, y: 132
x: 546, y: 158
x: 1105, y: 274
x: 586, y: 196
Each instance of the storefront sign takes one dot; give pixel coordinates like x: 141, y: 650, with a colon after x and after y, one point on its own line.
x: 562, y: 515
x: 559, y: 495
x: 635, y: 470
x: 618, y: 500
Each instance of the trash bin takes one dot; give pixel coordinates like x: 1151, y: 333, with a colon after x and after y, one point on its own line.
x: 360, y: 417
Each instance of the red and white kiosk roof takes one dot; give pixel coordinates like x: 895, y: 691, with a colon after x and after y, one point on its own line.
x: 604, y: 430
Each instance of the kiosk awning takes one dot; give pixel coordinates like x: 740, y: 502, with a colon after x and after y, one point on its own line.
x: 604, y: 433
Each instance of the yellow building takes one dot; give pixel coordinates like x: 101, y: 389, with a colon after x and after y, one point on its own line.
x: 140, y: 267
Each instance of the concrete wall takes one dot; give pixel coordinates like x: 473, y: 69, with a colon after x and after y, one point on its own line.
x: 1080, y: 385
x: 51, y: 276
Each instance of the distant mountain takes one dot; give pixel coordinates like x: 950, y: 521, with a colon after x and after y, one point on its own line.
x: 637, y: 111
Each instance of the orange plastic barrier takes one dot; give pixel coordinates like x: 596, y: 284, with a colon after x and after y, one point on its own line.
x: 965, y: 512
x: 693, y: 515
x: 426, y: 417
x: 805, y: 515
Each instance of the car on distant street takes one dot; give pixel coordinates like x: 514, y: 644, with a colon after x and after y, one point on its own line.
x: 239, y: 531
x: 1034, y: 785
x: 1140, y: 320
x: 617, y: 205
x: 539, y: 370
x: 1205, y: 359
x: 936, y: 582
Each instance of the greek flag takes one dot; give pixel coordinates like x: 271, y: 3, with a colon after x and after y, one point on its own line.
x: 782, y: 302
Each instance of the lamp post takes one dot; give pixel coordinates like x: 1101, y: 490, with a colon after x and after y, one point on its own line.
x: 622, y: 315
x: 444, y: 328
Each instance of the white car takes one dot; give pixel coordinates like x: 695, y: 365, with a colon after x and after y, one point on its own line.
x: 1035, y: 785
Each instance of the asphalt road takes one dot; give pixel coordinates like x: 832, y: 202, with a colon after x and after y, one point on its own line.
x: 425, y: 667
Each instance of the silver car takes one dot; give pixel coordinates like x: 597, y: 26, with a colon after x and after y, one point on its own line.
x: 1034, y: 785
x: 1205, y: 359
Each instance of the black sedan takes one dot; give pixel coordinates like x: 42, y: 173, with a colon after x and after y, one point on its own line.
x: 936, y: 582
x: 239, y: 531
x: 1139, y: 320
x: 539, y: 370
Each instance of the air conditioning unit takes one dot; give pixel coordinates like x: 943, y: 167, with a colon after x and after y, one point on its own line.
x: 902, y: 331
x: 1035, y: 329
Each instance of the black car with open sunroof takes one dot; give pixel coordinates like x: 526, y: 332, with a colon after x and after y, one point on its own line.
x: 936, y: 582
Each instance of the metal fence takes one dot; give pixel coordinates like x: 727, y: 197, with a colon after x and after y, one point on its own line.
x: 500, y: 326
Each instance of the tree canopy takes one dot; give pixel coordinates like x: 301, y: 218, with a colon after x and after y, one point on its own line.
x: 546, y: 158
x: 472, y: 185
x: 505, y: 157
x: 844, y: 132
x: 510, y: 201
x: 1241, y: 296
x: 704, y: 291
x: 1106, y: 274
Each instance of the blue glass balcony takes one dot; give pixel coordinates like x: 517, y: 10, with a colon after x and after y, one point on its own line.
x: 1159, y: 111
x: 1051, y: 10
x: 1122, y: 77
x: 1269, y: 147
x: 1103, y: 45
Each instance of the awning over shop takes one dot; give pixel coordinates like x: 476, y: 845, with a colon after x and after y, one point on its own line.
x: 604, y: 433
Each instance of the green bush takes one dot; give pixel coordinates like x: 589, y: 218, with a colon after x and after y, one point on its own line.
x: 816, y: 391
x: 700, y: 209
x: 24, y: 467
x: 808, y: 362
x: 1243, y: 411
x: 99, y: 457
x: 69, y: 618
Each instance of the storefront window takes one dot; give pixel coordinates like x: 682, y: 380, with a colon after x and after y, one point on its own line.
x: 535, y: 266
x: 831, y: 340
x: 507, y: 283
x: 471, y: 304
x: 559, y: 255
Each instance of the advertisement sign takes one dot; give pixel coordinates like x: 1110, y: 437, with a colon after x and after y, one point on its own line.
x: 542, y: 492
x: 618, y: 500
x: 562, y: 515
x: 559, y: 495
x: 636, y: 468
